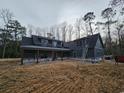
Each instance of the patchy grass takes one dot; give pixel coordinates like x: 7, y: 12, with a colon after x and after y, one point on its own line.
x: 9, y: 61
x: 61, y: 77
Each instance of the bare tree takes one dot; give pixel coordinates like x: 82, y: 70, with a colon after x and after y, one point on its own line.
x: 30, y: 29
x: 78, y: 28
x: 64, y: 30
x: 58, y: 32
x: 88, y: 18
x: 38, y: 31
x: 119, y: 29
x: 6, y: 16
x: 115, y: 3
x: 108, y: 14
x: 70, y: 32
x: 45, y: 31
x: 83, y: 29
x: 52, y: 31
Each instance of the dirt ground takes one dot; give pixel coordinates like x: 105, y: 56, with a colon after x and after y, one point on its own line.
x: 61, y: 77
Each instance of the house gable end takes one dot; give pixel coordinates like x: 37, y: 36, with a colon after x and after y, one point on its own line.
x: 99, y: 43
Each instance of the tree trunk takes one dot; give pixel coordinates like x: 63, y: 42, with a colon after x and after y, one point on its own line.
x: 78, y: 32
x: 91, y: 30
x: 4, y: 50
x: 119, y: 41
x: 70, y: 35
x: 110, y: 40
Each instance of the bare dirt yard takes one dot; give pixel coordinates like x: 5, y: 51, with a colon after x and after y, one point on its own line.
x: 61, y: 77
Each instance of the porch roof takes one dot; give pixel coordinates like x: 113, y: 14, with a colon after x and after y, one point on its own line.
x: 32, y: 47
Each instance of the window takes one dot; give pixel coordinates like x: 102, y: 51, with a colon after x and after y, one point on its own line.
x: 43, y: 41
x: 54, y: 43
x: 49, y: 41
x: 39, y: 39
x: 78, y: 42
x: 59, y: 43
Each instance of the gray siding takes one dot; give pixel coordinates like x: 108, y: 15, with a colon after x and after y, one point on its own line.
x: 90, y: 53
x: 95, y: 47
x: 99, y: 50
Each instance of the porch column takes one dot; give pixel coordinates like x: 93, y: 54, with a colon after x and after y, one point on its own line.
x: 22, y: 55
x: 53, y: 56
x: 37, y: 56
x: 62, y: 55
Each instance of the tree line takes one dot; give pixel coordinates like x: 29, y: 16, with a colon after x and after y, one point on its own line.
x: 111, y: 26
x: 11, y: 33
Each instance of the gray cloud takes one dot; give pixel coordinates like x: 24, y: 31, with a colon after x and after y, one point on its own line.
x: 44, y: 13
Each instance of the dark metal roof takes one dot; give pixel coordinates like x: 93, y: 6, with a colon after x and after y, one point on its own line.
x: 26, y: 41
x: 34, y: 36
x: 89, y: 40
x: 34, y: 42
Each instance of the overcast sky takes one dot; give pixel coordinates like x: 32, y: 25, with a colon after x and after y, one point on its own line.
x: 44, y: 13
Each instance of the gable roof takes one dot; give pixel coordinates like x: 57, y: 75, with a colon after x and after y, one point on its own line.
x: 89, y: 40
x: 34, y: 40
x: 34, y: 43
x: 35, y: 36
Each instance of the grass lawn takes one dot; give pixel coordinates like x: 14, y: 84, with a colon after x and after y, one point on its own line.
x: 61, y: 77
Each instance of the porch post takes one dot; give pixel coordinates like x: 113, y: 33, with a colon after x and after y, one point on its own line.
x: 22, y: 55
x: 62, y: 55
x: 52, y: 55
x: 37, y: 56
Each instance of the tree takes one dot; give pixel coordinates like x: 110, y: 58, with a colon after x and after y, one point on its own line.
x: 52, y: 31
x: 30, y: 29
x: 118, y: 5
x: 108, y: 14
x: 38, y: 31
x: 45, y: 30
x: 17, y: 32
x: 115, y: 3
x: 120, y: 29
x: 70, y: 32
x: 88, y: 18
x: 6, y: 16
x: 58, y: 32
x: 78, y: 28
x: 16, y: 29
x: 64, y: 30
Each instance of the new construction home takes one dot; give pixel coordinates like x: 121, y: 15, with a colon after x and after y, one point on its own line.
x: 38, y: 47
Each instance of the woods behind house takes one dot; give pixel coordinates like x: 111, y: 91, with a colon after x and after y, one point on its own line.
x: 110, y: 26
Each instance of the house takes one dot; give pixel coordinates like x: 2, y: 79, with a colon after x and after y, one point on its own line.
x: 41, y: 47
x: 90, y: 47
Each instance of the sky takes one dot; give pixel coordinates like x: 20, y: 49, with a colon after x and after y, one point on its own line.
x: 45, y: 13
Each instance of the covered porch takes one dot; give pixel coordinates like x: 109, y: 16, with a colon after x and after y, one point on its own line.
x: 37, y: 53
